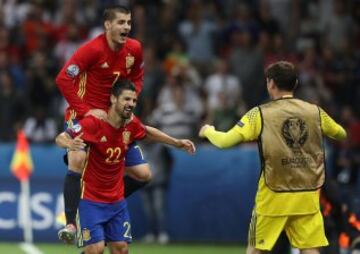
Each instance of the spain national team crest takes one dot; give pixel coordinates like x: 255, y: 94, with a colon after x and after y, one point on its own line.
x: 86, y: 234
x: 129, y: 62
x: 126, y: 137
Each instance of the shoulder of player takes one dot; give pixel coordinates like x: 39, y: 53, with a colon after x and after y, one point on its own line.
x: 93, y: 46
x: 92, y: 121
x: 133, y: 45
x: 134, y: 121
x: 270, y: 103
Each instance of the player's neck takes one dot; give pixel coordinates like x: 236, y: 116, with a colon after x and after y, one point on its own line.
x: 282, y: 94
x: 112, y: 45
x: 115, y: 120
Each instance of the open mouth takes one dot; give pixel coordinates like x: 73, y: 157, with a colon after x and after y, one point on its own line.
x: 123, y: 35
x: 128, y: 110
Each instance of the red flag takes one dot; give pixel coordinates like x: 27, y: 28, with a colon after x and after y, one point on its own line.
x: 21, y: 163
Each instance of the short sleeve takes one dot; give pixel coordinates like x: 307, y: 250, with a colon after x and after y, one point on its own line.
x: 87, y: 127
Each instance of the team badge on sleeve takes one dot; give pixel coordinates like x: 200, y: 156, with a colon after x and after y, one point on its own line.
x: 72, y: 70
x: 76, y: 128
x: 240, y: 123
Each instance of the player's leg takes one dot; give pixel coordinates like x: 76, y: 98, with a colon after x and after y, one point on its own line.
x: 91, y: 217
x: 72, y: 184
x: 307, y: 233
x: 310, y: 251
x: 75, y: 160
x: 95, y: 248
x: 72, y: 191
x: 118, y: 229
x: 119, y: 248
x: 137, y: 170
x: 252, y: 250
x: 264, y: 232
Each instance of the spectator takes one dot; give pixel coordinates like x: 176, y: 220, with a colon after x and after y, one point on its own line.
x: 179, y: 107
x: 198, y: 34
x: 39, y: 128
x: 224, y: 97
x: 154, y: 194
x: 339, y: 28
x: 12, y: 107
x: 246, y: 62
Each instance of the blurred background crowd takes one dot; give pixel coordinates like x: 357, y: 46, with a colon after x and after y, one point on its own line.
x: 204, y: 62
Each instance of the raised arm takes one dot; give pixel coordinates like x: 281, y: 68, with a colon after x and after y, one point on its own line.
x: 156, y: 135
x: 247, y: 129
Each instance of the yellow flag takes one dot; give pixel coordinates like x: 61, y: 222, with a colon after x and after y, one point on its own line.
x: 21, y: 163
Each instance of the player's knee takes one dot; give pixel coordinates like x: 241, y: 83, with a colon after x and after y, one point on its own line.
x: 120, y: 248
x: 146, y: 175
x: 140, y: 172
x: 96, y: 248
x: 252, y: 250
x: 76, y: 160
x: 310, y: 251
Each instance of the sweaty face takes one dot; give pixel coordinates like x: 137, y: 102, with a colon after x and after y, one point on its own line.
x: 119, y: 28
x: 126, y: 103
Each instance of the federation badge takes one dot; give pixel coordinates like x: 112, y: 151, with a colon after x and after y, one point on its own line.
x: 86, y: 234
x: 129, y: 61
x: 72, y: 70
x: 126, y: 137
x: 76, y: 128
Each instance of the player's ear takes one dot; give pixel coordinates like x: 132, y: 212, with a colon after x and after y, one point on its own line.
x: 271, y: 84
x: 107, y: 25
x: 296, y: 84
x: 112, y: 99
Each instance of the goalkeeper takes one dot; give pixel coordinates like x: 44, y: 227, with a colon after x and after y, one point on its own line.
x: 289, y: 133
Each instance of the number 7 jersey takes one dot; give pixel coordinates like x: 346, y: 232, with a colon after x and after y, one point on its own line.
x: 102, y: 179
x: 86, y: 79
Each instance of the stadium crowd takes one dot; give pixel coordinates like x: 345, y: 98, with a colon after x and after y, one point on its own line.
x: 204, y: 61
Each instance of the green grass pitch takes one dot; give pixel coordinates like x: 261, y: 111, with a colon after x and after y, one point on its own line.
x: 135, y: 248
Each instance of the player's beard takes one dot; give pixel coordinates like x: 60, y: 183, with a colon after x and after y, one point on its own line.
x: 126, y: 114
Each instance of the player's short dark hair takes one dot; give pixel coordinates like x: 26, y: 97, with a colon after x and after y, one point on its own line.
x: 284, y: 75
x: 110, y: 12
x: 120, y: 85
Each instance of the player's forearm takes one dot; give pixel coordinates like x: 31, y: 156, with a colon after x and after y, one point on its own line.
x: 67, y: 89
x: 222, y: 139
x: 155, y: 135
x: 63, y: 140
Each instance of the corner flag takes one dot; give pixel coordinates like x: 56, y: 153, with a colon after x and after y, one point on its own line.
x: 21, y: 163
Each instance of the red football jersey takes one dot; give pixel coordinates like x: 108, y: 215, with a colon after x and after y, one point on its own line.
x: 86, y: 79
x: 102, y: 179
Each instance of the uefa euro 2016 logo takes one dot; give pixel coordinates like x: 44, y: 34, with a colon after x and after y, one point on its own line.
x: 295, y: 132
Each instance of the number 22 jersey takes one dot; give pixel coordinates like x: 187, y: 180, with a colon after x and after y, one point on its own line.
x: 102, y: 179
